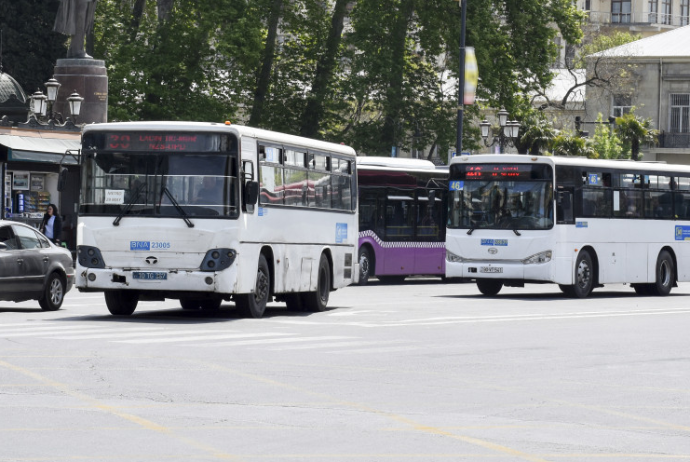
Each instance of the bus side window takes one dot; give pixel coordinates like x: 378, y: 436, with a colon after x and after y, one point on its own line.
x: 564, y: 207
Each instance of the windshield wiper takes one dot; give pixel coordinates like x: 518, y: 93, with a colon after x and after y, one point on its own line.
x: 129, y: 205
x: 469, y: 233
x: 516, y: 232
x: 185, y: 217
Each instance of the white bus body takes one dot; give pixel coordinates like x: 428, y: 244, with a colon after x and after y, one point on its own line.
x: 147, y: 231
x: 580, y: 223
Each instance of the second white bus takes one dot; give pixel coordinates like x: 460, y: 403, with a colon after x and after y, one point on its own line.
x: 579, y: 223
x: 205, y: 212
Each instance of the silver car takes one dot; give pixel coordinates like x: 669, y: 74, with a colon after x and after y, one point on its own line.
x: 32, y: 267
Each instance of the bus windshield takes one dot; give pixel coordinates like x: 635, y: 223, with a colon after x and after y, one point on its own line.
x: 503, y: 199
x: 152, y: 184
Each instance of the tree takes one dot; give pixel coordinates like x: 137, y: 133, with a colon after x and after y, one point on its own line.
x: 30, y: 48
x: 567, y: 144
x: 634, y: 130
x: 537, y: 134
x: 606, y: 144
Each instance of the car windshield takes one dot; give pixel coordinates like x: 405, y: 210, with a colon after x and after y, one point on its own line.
x: 160, y: 184
x: 501, y: 204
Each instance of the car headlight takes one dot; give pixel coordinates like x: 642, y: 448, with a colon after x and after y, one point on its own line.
x: 451, y: 257
x: 541, y: 257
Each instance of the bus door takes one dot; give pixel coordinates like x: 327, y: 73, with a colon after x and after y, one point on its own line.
x: 400, y: 225
x: 430, y: 231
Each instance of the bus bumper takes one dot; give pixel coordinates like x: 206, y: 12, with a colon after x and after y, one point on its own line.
x: 500, y: 270
x: 97, y: 279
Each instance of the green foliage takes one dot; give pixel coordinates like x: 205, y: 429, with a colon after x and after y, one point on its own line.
x: 568, y: 144
x: 537, y: 133
x: 634, y: 130
x: 605, y: 143
x: 603, y: 42
x: 30, y: 47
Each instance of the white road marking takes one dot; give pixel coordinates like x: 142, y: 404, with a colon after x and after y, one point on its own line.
x: 274, y: 340
x: 201, y: 337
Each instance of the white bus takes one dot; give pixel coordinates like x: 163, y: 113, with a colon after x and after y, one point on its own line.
x: 580, y: 223
x: 205, y: 212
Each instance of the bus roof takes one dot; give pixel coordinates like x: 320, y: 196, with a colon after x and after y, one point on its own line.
x: 395, y: 163
x: 623, y: 164
x: 239, y: 130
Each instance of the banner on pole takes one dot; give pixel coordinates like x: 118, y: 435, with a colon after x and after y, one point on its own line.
x: 471, y: 76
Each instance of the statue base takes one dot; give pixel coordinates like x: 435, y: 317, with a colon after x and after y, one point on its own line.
x: 89, y: 78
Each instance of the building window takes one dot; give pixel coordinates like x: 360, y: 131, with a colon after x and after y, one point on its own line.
x: 653, y: 10
x: 666, y: 12
x: 680, y: 113
x: 684, y: 13
x: 620, y: 11
x: 622, y: 104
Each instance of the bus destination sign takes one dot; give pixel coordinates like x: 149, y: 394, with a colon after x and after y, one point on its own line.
x: 503, y: 172
x: 177, y: 142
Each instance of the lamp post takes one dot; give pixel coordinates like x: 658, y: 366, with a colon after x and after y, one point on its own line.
x: 461, y: 77
x: 43, y: 115
x: 507, y: 134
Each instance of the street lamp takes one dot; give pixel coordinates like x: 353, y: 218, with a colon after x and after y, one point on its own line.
x: 507, y: 134
x: 42, y: 108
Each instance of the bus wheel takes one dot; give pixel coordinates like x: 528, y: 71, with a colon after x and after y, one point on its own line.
x: 584, y: 276
x: 254, y: 305
x: 121, y: 302
x: 317, y: 301
x: 664, y: 274
x: 364, y: 266
x: 489, y: 287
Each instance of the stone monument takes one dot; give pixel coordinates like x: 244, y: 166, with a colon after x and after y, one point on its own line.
x: 80, y: 72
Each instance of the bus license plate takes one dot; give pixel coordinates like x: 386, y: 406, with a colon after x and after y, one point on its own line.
x: 150, y: 275
x: 490, y: 269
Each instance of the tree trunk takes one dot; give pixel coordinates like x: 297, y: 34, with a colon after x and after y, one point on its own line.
x: 264, y: 76
x: 164, y: 9
x: 394, y: 99
x: 314, y: 110
x: 635, y: 146
x: 137, y: 14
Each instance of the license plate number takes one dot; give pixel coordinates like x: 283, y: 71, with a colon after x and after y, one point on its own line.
x: 490, y: 269
x: 150, y: 275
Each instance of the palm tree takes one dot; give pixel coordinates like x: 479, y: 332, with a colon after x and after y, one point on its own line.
x: 538, y: 134
x: 634, y: 130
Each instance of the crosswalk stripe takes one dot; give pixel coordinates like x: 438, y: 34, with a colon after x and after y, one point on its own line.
x: 200, y: 337
x: 330, y: 345
x: 274, y: 340
x: 42, y: 330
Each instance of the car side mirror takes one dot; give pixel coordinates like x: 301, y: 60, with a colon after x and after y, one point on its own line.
x: 251, y: 192
x: 3, y: 246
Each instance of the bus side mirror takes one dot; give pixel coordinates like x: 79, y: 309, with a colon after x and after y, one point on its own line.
x: 251, y: 192
x: 62, y: 180
x: 432, y: 197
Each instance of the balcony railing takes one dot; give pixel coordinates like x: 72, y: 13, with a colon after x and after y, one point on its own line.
x: 674, y: 140
x: 606, y: 17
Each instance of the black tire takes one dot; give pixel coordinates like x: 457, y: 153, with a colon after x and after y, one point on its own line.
x: 567, y: 290
x: 665, y: 275
x: 489, y: 287
x: 254, y: 305
x: 293, y: 301
x: 121, y: 302
x: 642, y: 289
x: 189, y: 304
x: 53, y: 293
x: 365, y: 266
x: 318, y: 300
x: 584, y: 276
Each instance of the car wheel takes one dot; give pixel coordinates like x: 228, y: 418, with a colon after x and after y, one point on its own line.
x: 489, y: 287
x: 121, y: 302
x: 318, y: 300
x: 254, y: 305
x: 53, y: 293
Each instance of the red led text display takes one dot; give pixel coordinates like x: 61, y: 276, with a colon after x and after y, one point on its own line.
x: 502, y: 172
x: 175, y: 142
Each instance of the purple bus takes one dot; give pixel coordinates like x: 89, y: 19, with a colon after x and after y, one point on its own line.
x: 402, y: 218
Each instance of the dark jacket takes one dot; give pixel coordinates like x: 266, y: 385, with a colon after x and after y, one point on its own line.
x: 57, y: 226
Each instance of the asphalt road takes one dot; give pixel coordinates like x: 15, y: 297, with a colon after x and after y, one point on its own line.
x: 423, y: 371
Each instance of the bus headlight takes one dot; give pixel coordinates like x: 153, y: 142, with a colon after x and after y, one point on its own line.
x: 90, y: 257
x: 218, y: 259
x: 541, y: 257
x: 451, y: 257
